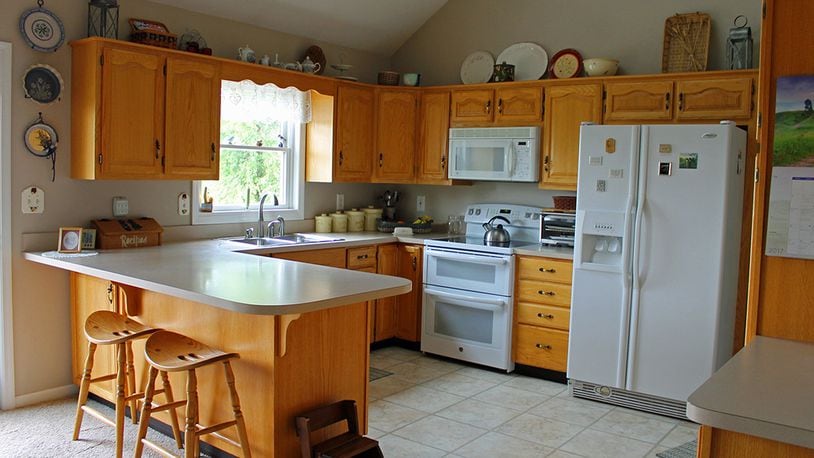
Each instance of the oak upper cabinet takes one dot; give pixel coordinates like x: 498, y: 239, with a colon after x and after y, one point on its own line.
x: 408, y: 306
x: 193, y: 108
x: 504, y: 105
x: 433, y: 138
x: 385, y: 308
x: 566, y: 107
x: 638, y: 101
x: 142, y: 113
x: 353, y: 150
x: 396, y: 139
x: 715, y: 99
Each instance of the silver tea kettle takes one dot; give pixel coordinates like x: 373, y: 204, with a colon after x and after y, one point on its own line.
x: 496, y: 235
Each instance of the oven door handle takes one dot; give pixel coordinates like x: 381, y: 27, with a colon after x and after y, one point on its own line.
x: 468, y: 301
x: 467, y: 257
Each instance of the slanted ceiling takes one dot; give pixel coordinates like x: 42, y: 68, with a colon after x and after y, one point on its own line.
x: 378, y: 26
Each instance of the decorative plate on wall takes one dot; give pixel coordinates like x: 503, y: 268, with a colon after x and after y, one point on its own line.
x: 42, y: 29
x: 42, y: 83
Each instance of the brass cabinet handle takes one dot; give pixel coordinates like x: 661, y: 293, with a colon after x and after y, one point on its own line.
x: 681, y: 102
x: 545, y: 315
x: 110, y: 293
x: 341, y: 157
x: 543, y: 346
x: 415, y: 263
x: 544, y: 270
x: 443, y: 161
x: 500, y: 105
x: 381, y: 159
x: 545, y: 293
x: 546, y: 161
x: 488, y: 106
x: 667, y: 101
x: 157, y: 148
x: 213, y: 151
x: 361, y: 256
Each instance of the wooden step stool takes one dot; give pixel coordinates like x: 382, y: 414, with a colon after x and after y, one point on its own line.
x: 346, y: 445
x: 171, y: 352
x: 110, y: 328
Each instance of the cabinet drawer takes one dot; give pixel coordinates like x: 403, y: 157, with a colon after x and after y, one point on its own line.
x: 543, y: 292
x: 359, y: 258
x: 332, y: 257
x: 541, y: 347
x: 546, y: 269
x: 543, y: 315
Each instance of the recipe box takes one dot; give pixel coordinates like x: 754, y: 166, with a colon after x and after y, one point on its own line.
x: 127, y: 233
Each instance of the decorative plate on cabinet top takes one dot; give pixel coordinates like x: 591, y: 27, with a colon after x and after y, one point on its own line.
x: 566, y: 64
x: 42, y: 83
x: 529, y: 59
x: 477, y: 68
x: 42, y: 29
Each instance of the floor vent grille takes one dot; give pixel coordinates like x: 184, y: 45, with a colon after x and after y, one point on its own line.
x: 638, y: 401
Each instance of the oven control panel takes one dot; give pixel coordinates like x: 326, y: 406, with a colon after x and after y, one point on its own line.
x: 521, y: 216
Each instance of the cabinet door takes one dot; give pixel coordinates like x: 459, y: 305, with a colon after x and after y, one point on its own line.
x: 473, y: 106
x: 566, y: 107
x: 385, y: 314
x: 132, y: 131
x: 396, y: 116
x: 519, y: 105
x: 433, y: 137
x: 88, y: 295
x: 408, y: 306
x: 636, y: 102
x: 192, y: 119
x: 714, y: 99
x: 354, y: 133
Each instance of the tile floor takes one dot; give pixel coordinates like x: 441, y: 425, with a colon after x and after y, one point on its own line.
x: 431, y: 407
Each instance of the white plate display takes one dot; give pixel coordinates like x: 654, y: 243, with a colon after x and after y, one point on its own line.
x: 42, y: 29
x: 477, y: 68
x: 529, y: 59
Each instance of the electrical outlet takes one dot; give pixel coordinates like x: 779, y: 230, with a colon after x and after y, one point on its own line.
x: 183, y: 204
x: 121, y: 206
x: 340, y: 202
x: 421, y: 204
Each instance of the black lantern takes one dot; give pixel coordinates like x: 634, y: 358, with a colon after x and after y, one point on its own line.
x: 739, y: 45
x: 103, y: 18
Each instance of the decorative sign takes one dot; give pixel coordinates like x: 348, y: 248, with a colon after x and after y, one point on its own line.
x: 790, y: 229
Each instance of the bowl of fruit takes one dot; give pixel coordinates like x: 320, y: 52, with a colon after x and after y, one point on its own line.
x: 420, y: 225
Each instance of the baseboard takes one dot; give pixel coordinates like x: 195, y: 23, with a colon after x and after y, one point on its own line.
x: 52, y: 394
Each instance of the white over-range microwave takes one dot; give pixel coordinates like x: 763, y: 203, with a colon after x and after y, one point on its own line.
x: 495, y: 153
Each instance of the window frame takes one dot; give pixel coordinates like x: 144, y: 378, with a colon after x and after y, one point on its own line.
x: 295, y: 171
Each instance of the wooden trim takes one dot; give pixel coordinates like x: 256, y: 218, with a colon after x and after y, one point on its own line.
x: 282, y: 323
x: 7, y: 400
x: 704, y: 442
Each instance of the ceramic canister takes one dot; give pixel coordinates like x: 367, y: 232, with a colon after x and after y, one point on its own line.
x: 339, y: 221
x: 371, y: 215
x: 323, y: 223
x: 356, y: 220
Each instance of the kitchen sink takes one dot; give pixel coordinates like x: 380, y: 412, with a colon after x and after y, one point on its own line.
x: 284, y: 240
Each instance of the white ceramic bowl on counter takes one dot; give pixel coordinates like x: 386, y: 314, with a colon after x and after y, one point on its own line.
x: 599, y: 66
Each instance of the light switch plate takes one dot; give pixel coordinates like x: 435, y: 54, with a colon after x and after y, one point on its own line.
x: 121, y: 207
x: 421, y: 204
x: 340, y: 202
x: 33, y: 200
x: 183, y: 204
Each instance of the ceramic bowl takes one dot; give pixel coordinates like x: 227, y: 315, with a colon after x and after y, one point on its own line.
x: 599, y: 66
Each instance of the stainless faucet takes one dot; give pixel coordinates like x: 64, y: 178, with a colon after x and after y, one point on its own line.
x: 277, y: 222
x: 260, y: 219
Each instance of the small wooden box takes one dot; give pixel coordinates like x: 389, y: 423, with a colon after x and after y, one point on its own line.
x: 127, y: 233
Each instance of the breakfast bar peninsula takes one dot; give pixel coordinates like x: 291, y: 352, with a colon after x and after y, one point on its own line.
x: 301, y: 330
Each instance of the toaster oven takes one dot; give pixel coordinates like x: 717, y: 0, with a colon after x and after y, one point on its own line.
x: 558, y: 228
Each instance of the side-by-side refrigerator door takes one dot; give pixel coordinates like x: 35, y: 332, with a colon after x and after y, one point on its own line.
x: 608, y: 158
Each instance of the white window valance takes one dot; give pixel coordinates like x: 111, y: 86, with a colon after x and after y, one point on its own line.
x: 248, y: 101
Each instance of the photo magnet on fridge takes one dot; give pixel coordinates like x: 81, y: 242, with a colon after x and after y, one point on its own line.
x: 688, y: 161
x: 665, y: 168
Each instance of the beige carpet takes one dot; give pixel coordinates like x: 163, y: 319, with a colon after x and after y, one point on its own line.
x: 45, y: 430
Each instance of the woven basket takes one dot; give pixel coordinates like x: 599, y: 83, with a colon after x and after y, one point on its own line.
x: 388, y: 226
x: 388, y: 78
x: 686, y: 43
x: 152, y: 33
x: 565, y: 202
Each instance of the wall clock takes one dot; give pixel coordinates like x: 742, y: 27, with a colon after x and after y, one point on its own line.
x: 566, y: 64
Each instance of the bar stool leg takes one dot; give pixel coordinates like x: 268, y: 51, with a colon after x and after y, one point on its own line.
x: 121, y: 376
x: 176, y: 430
x: 146, y: 412
x: 190, y: 436
x: 131, y: 383
x: 240, y: 422
x: 83, y: 390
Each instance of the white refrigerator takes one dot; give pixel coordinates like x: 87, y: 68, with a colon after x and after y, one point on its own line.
x: 655, y: 261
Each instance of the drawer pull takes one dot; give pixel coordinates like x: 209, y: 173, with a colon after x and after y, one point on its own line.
x: 547, y: 316
x: 546, y: 293
x: 361, y: 256
x: 544, y: 270
x: 542, y: 346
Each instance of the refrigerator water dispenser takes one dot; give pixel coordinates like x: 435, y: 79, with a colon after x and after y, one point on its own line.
x: 602, y: 236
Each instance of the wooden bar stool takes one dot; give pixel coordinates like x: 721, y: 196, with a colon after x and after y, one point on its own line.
x: 345, y: 445
x: 171, y: 352
x: 110, y: 328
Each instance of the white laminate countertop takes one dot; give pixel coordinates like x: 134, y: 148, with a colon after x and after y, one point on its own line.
x: 764, y: 390
x: 214, y: 273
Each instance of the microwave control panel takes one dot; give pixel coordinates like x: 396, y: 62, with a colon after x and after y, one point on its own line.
x: 525, y: 165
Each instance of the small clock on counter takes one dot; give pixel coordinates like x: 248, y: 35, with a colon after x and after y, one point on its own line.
x: 566, y: 64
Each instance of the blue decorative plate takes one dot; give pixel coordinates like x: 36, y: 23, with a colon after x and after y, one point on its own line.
x: 43, y: 83
x: 42, y: 29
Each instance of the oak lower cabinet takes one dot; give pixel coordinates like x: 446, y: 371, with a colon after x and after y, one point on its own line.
x: 542, y: 312
x: 92, y: 294
x: 384, y: 312
x: 566, y: 108
x: 396, y: 118
x: 514, y: 105
x: 139, y: 112
x: 331, y: 257
x: 408, y: 306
